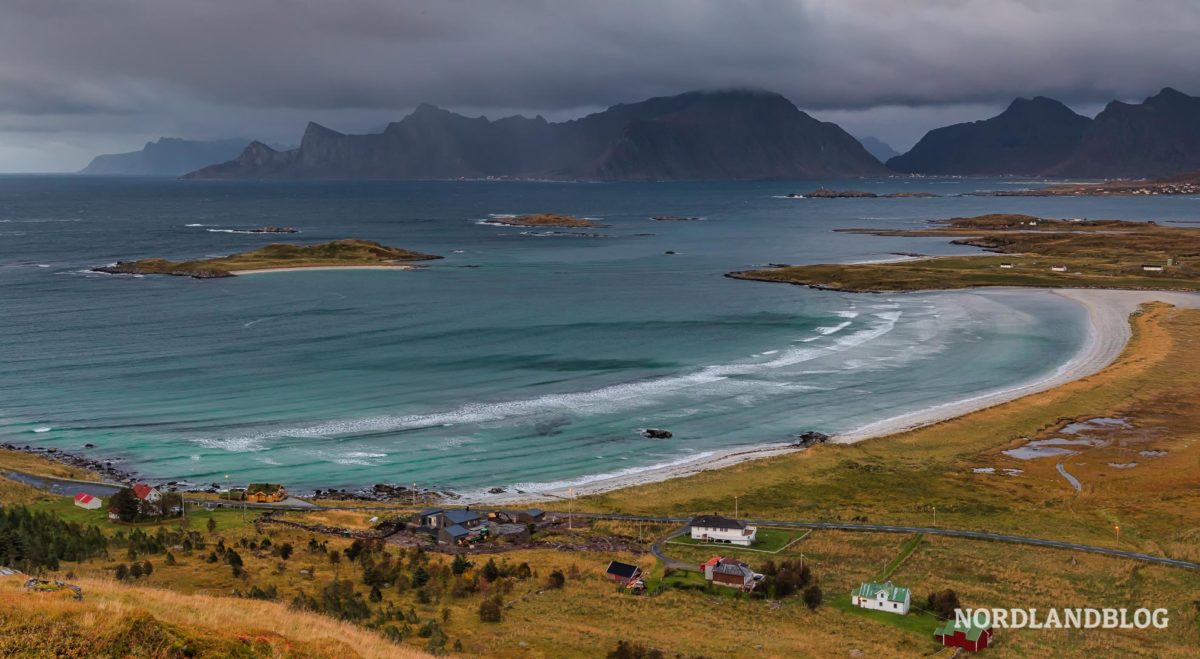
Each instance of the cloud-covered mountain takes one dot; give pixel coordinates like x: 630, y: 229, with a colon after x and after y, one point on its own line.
x: 695, y: 136
x: 1043, y: 137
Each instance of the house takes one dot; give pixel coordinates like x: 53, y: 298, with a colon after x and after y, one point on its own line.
x: 466, y: 518
x: 968, y: 637
x: 453, y: 535
x: 714, y: 528
x: 531, y: 516
x: 146, y: 493
x: 87, y: 501
x: 1152, y: 268
x: 730, y: 572
x: 1058, y: 268
x: 429, y: 518
x: 1006, y: 266
x: 265, y: 492
x: 623, y: 572
x: 881, y: 597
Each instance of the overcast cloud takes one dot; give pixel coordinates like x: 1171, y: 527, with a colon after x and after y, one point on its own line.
x: 78, y: 77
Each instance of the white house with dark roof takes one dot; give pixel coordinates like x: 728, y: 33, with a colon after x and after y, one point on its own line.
x: 714, y: 528
x: 882, y: 597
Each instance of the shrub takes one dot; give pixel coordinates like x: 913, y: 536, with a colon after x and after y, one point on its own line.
x: 943, y: 603
x: 122, y: 572
x: 631, y: 650
x: 812, y: 597
x: 135, y: 570
x: 556, y: 579
x: 490, y: 571
x: 490, y: 610
x: 460, y: 564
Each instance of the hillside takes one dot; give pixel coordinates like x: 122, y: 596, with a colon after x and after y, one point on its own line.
x: 693, y: 136
x: 118, y: 620
x: 168, y: 156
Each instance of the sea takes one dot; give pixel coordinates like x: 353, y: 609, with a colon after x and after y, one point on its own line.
x: 527, y: 358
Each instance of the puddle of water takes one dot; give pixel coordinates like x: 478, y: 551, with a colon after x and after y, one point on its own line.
x: 984, y: 470
x: 1012, y: 471
x: 1099, y: 423
x: 1152, y: 454
x: 1031, y: 452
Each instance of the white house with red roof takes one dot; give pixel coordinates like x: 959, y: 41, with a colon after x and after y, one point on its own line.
x: 146, y: 493
x: 84, y: 500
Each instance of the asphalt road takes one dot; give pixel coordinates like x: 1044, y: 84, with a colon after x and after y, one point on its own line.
x: 656, y: 549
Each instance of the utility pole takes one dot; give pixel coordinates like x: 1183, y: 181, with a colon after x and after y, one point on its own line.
x: 1118, y: 528
x: 570, y: 507
x: 735, y: 506
x: 414, y: 495
x: 935, y: 515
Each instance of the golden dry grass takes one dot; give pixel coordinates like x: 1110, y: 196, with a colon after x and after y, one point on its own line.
x: 36, y: 624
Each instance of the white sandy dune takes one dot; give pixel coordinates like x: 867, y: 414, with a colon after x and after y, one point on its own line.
x: 1108, y: 332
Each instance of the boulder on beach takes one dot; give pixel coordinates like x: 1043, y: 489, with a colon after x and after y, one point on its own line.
x: 655, y: 433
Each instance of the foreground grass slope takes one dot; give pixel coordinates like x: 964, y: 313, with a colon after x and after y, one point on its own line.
x: 118, y: 620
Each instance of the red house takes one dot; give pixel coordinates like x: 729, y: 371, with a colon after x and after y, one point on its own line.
x: 969, y: 637
x: 623, y: 572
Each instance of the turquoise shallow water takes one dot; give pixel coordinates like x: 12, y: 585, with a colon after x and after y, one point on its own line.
x: 517, y: 359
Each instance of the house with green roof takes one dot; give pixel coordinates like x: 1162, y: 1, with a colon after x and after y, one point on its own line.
x: 885, y: 596
x: 965, y: 635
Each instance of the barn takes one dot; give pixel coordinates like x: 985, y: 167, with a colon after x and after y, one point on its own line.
x: 968, y: 637
x: 87, y: 501
x: 622, y: 572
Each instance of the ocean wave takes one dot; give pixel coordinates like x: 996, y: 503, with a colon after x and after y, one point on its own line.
x: 832, y: 329
x: 42, y: 429
x: 193, y: 225
x: 584, y: 480
x: 846, y: 314
x: 609, y: 399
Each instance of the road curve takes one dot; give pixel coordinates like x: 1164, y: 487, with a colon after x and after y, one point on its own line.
x: 887, y: 528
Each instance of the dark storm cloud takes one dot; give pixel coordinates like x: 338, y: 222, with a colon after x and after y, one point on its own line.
x: 219, y: 62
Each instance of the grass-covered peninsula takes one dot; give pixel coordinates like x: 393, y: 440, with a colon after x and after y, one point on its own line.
x: 1031, y: 251
x: 278, y: 256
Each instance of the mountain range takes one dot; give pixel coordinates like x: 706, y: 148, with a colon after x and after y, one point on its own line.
x: 168, y: 156
x: 1043, y: 137
x: 727, y: 135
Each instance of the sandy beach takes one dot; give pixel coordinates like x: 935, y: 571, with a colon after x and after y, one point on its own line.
x: 325, y: 267
x: 1108, y: 331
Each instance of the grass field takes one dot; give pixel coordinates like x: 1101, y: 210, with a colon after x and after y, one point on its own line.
x: 1097, y: 254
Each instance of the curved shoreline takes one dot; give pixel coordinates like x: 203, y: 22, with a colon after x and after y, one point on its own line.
x: 1108, y: 332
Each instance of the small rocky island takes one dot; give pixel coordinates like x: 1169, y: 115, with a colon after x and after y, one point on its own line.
x: 348, y: 253
x: 674, y: 218
x: 546, y: 220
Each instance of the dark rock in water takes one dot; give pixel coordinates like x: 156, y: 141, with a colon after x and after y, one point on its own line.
x: 89, y: 446
x: 810, y: 437
x: 669, y: 252
x: 826, y: 193
x: 497, y: 490
x: 655, y: 433
x: 673, y: 218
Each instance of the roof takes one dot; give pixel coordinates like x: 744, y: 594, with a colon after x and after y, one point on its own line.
x: 84, y: 497
x: 970, y: 631
x: 430, y: 511
x: 267, y: 488
x: 716, y: 522
x: 893, y: 592
x: 619, y: 569
x: 457, y: 531
x: 731, y: 568
x: 460, y: 516
x: 535, y: 512
x: 141, y: 490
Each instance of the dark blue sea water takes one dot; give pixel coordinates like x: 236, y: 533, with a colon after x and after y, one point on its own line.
x: 518, y: 359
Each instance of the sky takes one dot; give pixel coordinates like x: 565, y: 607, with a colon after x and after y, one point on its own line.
x: 82, y: 77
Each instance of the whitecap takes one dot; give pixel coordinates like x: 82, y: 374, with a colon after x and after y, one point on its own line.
x: 42, y: 429
x: 833, y: 329
x: 847, y: 313
x: 193, y: 225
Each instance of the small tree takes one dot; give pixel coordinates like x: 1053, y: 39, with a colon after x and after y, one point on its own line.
x: 556, y: 579
x: 135, y: 570
x: 812, y: 597
x: 285, y: 550
x: 211, y: 525
x: 420, y: 577
x: 943, y: 603
x: 490, y: 610
x: 147, y: 568
x: 460, y: 564
x: 490, y: 571
x: 170, y: 560
x: 375, y: 595
x: 235, y: 561
x: 122, y: 572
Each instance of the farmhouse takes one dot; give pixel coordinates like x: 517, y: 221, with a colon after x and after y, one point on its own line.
x: 265, y: 492
x: 968, y: 637
x: 436, y: 518
x: 453, y: 535
x: 146, y: 493
x: 730, y: 572
x: 881, y: 597
x: 714, y: 528
x: 623, y: 572
x: 87, y: 501
x: 531, y: 516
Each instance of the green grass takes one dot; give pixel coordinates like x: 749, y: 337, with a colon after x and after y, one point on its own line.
x: 197, y: 518
x: 767, y: 540
x: 906, y: 550
x: 916, y: 621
